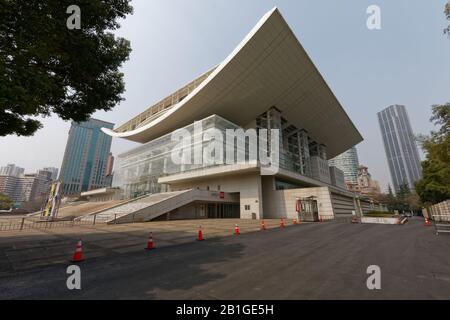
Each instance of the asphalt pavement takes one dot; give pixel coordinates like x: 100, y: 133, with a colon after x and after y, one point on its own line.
x: 307, y: 261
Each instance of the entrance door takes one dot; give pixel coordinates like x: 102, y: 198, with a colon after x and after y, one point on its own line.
x: 308, y: 209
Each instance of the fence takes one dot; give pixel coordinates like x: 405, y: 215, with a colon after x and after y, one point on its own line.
x: 440, y: 214
x: 14, y: 224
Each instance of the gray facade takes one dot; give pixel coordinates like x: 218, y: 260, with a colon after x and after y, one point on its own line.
x: 400, y: 146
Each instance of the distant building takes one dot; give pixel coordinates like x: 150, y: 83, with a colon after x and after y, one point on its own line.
x: 366, y: 186
x: 85, y: 158
x: 400, y: 146
x: 337, y: 177
x: 8, y: 187
x: 109, y: 170
x: 11, y: 170
x: 347, y: 162
x: 54, y: 172
x: 26, y: 187
x: 109, y: 164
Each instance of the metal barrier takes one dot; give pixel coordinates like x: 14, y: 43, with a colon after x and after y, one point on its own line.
x: 16, y: 224
x: 441, y: 223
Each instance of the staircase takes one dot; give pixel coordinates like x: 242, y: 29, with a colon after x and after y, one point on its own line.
x: 150, y: 207
x: 115, y: 213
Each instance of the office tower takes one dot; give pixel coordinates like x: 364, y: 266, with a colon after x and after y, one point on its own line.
x: 26, y: 187
x: 54, y: 172
x: 85, y: 157
x: 11, y: 170
x: 400, y: 146
x: 348, y: 163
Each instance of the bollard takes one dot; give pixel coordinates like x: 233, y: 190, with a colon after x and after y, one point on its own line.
x: 21, y: 225
x: 95, y: 218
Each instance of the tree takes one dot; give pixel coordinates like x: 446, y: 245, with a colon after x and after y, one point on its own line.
x: 47, y: 68
x: 434, y: 186
x: 5, y: 202
x: 402, y: 197
x: 413, y: 201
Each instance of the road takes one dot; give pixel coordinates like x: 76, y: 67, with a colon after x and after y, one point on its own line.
x: 308, y: 261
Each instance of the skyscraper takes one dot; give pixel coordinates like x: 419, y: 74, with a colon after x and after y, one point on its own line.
x: 400, y: 146
x: 347, y: 162
x: 54, y: 172
x: 85, y: 157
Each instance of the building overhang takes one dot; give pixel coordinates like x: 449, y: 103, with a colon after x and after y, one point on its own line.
x: 268, y: 68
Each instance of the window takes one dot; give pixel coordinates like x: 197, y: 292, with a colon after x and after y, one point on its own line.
x: 247, y: 207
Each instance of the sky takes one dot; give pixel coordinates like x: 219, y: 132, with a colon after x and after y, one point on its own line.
x: 406, y: 62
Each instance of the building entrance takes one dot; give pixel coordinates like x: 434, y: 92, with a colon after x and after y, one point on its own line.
x: 307, y: 209
x: 223, y: 210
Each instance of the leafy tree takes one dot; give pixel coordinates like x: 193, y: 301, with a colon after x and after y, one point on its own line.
x: 5, y: 202
x: 434, y: 186
x: 402, y: 197
x: 46, y: 68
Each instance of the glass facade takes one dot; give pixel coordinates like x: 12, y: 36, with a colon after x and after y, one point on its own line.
x: 347, y: 162
x: 400, y: 146
x: 137, y: 171
x: 85, y: 157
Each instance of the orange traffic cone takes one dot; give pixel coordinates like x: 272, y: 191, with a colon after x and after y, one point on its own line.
x: 200, y: 234
x: 263, y: 225
x: 77, y: 256
x: 236, y: 230
x: 150, y: 244
x: 281, y: 223
x: 294, y: 221
x: 427, y: 223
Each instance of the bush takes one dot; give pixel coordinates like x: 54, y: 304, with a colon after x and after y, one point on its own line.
x: 380, y: 214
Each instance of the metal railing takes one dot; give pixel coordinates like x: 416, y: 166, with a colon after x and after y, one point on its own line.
x: 441, y: 223
x: 15, y: 224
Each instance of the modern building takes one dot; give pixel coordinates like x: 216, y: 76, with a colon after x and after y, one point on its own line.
x: 347, y: 162
x: 54, y: 172
x: 26, y: 187
x: 250, y: 138
x: 85, y: 157
x: 109, y: 170
x: 11, y: 170
x: 400, y: 146
x: 366, y: 185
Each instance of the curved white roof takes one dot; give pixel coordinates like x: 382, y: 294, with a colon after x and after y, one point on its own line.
x: 268, y: 68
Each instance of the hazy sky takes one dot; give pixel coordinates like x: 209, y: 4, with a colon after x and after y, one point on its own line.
x: 406, y: 62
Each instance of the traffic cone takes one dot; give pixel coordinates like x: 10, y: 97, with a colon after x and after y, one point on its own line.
x: 77, y: 256
x: 200, y: 234
x: 427, y: 223
x: 281, y: 223
x: 236, y: 230
x: 294, y: 221
x: 150, y: 244
x: 263, y: 225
